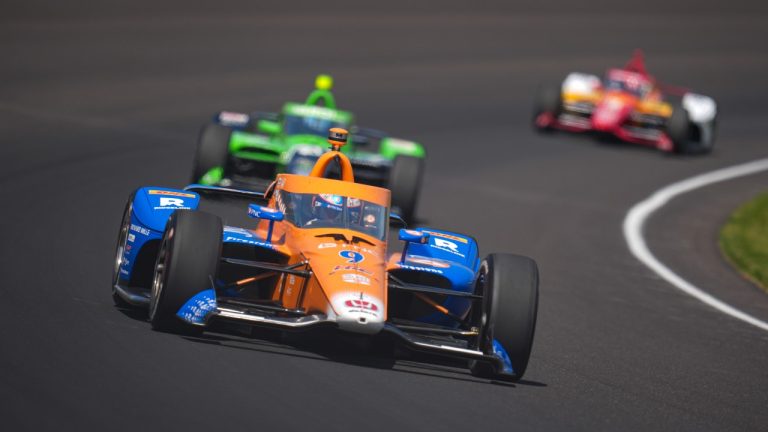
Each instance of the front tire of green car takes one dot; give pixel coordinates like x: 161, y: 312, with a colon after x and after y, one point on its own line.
x: 212, y: 150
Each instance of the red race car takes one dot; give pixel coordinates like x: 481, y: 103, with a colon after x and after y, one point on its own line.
x: 630, y: 105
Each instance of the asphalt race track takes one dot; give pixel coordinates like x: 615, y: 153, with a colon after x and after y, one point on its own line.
x: 98, y: 99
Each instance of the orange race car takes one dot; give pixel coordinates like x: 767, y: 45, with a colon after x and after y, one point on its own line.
x: 318, y: 257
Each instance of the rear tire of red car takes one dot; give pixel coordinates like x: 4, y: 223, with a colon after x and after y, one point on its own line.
x: 509, y: 285
x: 405, y: 183
x: 212, y: 150
x: 549, y: 99
x: 685, y: 135
x: 187, y: 263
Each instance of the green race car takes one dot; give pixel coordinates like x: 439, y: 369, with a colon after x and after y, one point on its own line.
x: 247, y: 150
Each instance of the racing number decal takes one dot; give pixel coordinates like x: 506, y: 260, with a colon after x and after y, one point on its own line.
x: 352, y: 257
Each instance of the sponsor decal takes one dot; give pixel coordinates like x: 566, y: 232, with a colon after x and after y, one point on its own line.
x: 139, y: 229
x: 355, y: 278
x: 352, y: 257
x: 339, y: 268
x: 171, y: 204
x: 232, y: 239
x: 233, y: 118
x: 364, y: 249
x: 413, y: 232
x: 447, y: 246
x: 128, y: 248
x: 448, y: 236
x: 326, y: 245
x: 358, y: 303
x: 428, y: 261
x: 131, y: 237
x: 421, y: 269
x: 361, y: 304
x: 171, y: 193
x: 125, y: 272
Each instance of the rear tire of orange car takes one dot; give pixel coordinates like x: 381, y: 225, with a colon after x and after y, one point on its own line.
x: 509, y: 285
x: 212, y: 150
x: 187, y: 263
x: 405, y: 184
x: 549, y: 99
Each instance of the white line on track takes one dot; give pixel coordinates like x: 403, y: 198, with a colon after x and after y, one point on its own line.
x: 637, y: 215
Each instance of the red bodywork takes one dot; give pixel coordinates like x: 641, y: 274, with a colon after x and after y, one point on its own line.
x: 625, y: 92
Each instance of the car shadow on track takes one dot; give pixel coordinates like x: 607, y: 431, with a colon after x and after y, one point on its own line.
x: 331, y: 345
x: 334, y: 346
x: 604, y: 140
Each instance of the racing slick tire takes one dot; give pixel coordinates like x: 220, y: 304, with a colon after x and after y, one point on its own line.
x: 549, y: 99
x: 405, y: 184
x: 685, y: 136
x: 122, y: 241
x: 509, y: 285
x: 187, y: 263
x: 212, y: 150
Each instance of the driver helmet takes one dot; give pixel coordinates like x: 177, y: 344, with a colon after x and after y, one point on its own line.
x: 327, y: 206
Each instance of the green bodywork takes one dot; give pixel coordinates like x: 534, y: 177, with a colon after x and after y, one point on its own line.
x: 273, y: 140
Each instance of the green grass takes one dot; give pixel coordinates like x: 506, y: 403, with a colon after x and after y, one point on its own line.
x: 744, y: 239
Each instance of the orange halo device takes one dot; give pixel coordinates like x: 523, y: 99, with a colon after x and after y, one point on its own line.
x: 337, y: 137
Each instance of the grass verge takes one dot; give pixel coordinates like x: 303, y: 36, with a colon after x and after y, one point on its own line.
x: 744, y: 240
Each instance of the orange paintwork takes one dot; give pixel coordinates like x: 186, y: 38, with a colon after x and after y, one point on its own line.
x: 330, y: 271
x: 650, y: 104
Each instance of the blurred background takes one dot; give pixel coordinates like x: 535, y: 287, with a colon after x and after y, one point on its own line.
x: 100, y: 97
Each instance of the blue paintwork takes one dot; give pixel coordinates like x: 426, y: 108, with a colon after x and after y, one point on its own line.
x: 448, y: 254
x: 447, y: 246
x: 501, y: 353
x: 266, y: 213
x: 197, y: 309
x: 412, y: 236
x: 154, y: 205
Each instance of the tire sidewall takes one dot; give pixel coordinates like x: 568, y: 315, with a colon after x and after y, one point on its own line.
x: 190, y: 252
x: 405, y: 183
x: 212, y: 149
x: 510, y: 309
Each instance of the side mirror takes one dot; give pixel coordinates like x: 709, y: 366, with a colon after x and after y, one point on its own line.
x: 411, y: 236
x: 396, y: 220
x: 266, y: 213
x: 269, y: 127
